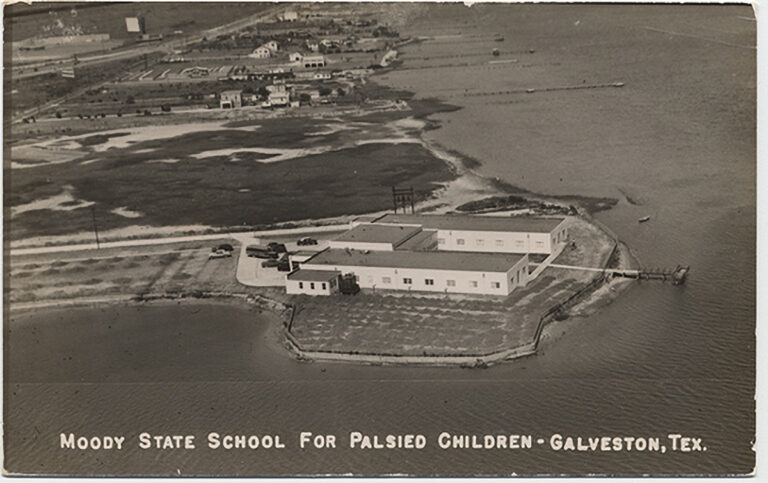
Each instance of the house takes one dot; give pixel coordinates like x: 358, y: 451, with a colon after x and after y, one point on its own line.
x: 279, y: 99
x: 313, y: 61
x: 276, y: 87
x: 272, y: 46
x: 321, y: 76
x: 290, y: 16
x: 312, y: 282
x: 501, y: 234
x: 313, y: 45
x: 295, y: 57
x: 260, y: 53
x: 231, y: 99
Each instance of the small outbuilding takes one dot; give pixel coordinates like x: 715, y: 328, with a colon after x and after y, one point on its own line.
x: 312, y: 282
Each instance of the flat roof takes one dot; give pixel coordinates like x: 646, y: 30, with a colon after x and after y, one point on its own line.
x: 370, y: 233
x: 477, y: 223
x: 304, y: 275
x: 436, y: 260
x: 419, y: 241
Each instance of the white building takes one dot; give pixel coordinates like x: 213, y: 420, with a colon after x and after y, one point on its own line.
x: 429, y: 271
x: 290, y: 16
x: 295, y: 57
x: 497, y: 234
x: 272, y: 46
x: 260, y: 53
x: 279, y: 99
x: 312, y: 282
x: 231, y: 99
x: 313, y: 61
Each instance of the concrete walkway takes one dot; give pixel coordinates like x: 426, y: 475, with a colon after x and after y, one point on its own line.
x: 546, y: 263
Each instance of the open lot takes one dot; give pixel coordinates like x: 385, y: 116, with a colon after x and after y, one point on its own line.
x: 131, y: 272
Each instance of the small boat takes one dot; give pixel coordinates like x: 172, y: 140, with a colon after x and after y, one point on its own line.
x: 644, y: 219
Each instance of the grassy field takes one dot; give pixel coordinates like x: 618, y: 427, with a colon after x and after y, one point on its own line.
x: 217, y: 192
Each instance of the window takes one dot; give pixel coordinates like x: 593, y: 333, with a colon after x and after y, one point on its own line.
x: 407, y: 281
x: 479, y: 242
x: 539, y: 244
x: 333, y: 282
x: 386, y: 279
x: 323, y: 285
x: 301, y: 284
x: 312, y: 285
x: 451, y: 283
x: 519, y: 243
x: 499, y: 243
x: 441, y: 241
x: 495, y: 285
x: 473, y: 283
x: 459, y: 241
x: 429, y: 281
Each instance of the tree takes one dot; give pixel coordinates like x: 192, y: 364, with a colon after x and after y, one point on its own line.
x: 324, y: 91
x: 340, y: 92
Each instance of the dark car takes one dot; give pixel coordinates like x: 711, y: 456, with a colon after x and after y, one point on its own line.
x: 307, y: 241
x: 271, y: 263
x: 276, y: 247
x: 260, y: 252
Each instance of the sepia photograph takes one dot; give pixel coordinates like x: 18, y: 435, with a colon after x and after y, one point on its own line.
x: 419, y: 239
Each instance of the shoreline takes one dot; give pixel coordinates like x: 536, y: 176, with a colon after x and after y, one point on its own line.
x: 468, y: 186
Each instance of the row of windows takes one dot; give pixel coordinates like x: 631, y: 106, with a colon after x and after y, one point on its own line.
x: 499, y: 243
x: 431, y: 282
x: 312, y: 285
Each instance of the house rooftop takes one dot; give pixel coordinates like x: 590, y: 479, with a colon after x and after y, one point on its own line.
x: 371, y: 233
x: 476, y: 223
x: 233, y: 92
x: 436, y: 260
x: 304, y: 275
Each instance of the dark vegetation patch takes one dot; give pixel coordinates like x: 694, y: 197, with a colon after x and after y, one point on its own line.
x: 100, y: 138
x: 350, y: 181
x: 514, y: 202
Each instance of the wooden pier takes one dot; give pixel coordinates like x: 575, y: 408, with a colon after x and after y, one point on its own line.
x: 677, y: 275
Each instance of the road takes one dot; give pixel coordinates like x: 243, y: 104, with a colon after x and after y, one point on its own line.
x: 175, y: 239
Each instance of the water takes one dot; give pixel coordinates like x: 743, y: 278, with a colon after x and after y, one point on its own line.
x: 678, y: 140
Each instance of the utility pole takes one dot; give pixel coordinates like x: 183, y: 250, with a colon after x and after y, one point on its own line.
x: 95, y: 229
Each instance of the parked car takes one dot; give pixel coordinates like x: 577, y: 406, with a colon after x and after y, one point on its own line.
x: 276, y: 247
x: 225, y: 246
x: 271, y: 263
x: 220, y: 254
x: 307, y: 241
x: 284, y: 264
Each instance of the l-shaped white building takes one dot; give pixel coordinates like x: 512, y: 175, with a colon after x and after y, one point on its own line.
x: 431, y: 253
